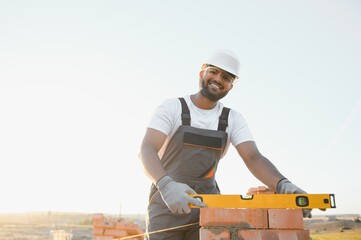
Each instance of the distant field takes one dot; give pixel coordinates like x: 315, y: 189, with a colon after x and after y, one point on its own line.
x: 340, y: 228
x: 349, y: 235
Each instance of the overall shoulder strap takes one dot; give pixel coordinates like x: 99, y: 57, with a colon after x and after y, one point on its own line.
x: 223, y: 119
x: 186, y: 116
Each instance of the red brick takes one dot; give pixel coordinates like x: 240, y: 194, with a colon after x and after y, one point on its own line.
x: 98, y: 222
x: 214, y: 234
x: 98, y: 216
x: 262, y: 188
x: 123, y: 225
x: 98, y: 231
x: 131, y: 228
x: 252, y: 190
x: 300, y: 234
x: 102, y: 238
x: 285, y: 218
x: 115, y: 233
x: 271, y: 234
x: 259, y: 190
x: 103, y: 223
x: 253, y: 218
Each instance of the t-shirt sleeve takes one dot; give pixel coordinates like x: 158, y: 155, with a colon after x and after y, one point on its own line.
x: 240, y: 130
x: 163, y: 117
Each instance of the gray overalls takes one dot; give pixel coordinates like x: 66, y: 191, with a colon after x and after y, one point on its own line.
x: 191, y: 157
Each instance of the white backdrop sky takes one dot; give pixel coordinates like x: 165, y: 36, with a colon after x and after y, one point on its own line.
x: 79, y: 81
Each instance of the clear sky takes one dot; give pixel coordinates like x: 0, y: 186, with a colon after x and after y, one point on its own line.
x: 79, y: 81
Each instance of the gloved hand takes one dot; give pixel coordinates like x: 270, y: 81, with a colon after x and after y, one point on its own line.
x: 175, y: 195
x: 285, y: 186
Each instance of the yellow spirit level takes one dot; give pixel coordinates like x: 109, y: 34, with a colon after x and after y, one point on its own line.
x: 321, y: 201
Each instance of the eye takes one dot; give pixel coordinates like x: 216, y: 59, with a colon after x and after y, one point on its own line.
x: 227, y: 78
x: 213, y: 71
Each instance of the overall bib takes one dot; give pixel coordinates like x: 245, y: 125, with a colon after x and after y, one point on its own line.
x: 191, y: 157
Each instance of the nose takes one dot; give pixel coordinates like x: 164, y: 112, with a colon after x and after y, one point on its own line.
x: 219, y: 77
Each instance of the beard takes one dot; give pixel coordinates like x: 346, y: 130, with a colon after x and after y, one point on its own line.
x: 209, y: 94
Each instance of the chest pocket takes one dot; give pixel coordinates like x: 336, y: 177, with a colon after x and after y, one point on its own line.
x: 197, y: 140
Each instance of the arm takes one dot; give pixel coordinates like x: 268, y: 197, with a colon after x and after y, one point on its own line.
x: 174, y: 194
x: 152, y: 142
x: 264, y: 170
x: 260, y: 167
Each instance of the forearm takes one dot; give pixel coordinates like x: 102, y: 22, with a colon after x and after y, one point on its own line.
x: 152, y: 164
x: 264, y: 170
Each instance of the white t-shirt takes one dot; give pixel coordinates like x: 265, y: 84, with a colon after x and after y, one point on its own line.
x: 167, y: 119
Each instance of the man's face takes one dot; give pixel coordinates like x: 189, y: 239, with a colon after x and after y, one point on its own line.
x: 215, y: 83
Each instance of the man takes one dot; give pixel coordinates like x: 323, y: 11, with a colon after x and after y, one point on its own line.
x: 183, y: 144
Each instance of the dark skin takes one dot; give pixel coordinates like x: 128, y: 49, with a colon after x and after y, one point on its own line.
x: 217, y: 86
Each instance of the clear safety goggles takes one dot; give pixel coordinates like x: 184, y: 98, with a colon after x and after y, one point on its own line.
x: 214, y: 71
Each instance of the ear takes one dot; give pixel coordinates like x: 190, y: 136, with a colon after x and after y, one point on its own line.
x: 230, y: 88
x: 201, y: 74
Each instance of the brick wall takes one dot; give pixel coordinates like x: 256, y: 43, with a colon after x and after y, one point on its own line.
x: 112, y: 228
x: 252, y: 224
x: 222, y: 224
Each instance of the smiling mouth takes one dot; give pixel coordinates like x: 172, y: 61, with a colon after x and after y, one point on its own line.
x: 215, y: 85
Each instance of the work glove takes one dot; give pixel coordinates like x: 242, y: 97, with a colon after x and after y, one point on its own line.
x: 175, y: 195
x: 285, y: 186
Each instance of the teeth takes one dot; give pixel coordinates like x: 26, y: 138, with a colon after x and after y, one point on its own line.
x: 215, y: 85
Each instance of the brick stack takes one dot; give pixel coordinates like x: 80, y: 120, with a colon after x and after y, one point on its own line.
x: 255, y: 224
x: 113, y: 228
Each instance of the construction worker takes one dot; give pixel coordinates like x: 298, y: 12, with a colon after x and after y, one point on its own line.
x: 186, y: 138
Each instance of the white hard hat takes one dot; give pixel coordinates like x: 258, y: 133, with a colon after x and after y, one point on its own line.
x: 226, y: 60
